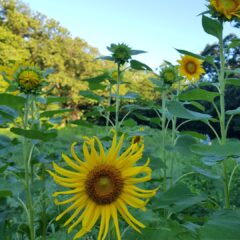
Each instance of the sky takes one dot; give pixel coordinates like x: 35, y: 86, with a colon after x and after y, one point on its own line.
x: 156, y: 26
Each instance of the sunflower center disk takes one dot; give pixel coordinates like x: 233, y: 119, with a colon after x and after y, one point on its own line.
x: 191, y: 67
x: 228, y: 5
x: 104, y: 184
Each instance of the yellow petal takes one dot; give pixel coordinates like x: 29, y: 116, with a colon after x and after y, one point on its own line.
x: 115, y: 220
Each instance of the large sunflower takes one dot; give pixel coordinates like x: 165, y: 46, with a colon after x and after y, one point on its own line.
x: 228, y: 8
x: 190, y: 67
x: 102, y: 185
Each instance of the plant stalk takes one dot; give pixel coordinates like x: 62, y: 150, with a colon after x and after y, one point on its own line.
x: 163, y: 140
x: 222, y: 118
x: 117, y: 98
x: 28, y: 172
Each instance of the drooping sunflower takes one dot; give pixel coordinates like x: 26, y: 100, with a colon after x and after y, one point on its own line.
x: 227, y: 8
x: 102, y: 185
x: 28, y: 78
x: 190, y: 67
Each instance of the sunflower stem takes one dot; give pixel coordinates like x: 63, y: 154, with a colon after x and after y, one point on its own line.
x: 28, y: 172
x: 163, y: 140
x: 117, y: 98
x: 109, y: 104
x: 174, y: 133
x: 222, y: 118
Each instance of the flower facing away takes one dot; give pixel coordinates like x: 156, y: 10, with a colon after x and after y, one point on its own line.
x: 121, y: 53
x: 169, y: 75
x: 190, y: 67
x: 29, y: 79
x: 102, y: 185
x: 226, y: 8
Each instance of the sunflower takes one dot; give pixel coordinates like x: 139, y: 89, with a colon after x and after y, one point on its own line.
x: 190, y: 67
x: 227, y: 8
x: 29, y: 79
x: 169, y: 74
x: 121, y: 53
x: 102, y: 186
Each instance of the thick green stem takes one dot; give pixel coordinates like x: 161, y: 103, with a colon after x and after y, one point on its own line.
x: 44, y: 207
x: 117, y: 98
x: 109, y: 104
x: 163, y: 140
x: 174, y: 133
x: 28, y: 173
x: 222, y: 118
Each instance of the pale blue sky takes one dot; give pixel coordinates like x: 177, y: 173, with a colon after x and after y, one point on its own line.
x: 156, y: 26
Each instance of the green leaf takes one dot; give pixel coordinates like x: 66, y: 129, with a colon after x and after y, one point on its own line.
x: 208, y: 59
x: 190, y: 54
x: 178, y: 110
x: 130, y: 95
x: 54, y: 112
x: 139, y: 65
x: 3, y: 168
x: 95, y: 83
x: 206, y: 173
x: 183, y: 144
x: 35, y: 134
x: 212, y: 27
x: 8, y: 113
x: 198, y: 105
x: 231, y: 148
x: 83, y: 123
x: 12, y: 101
x: 233, y: 81
x: 157, y: 82
x: 108, y: 58
x: 5, y: 193
x: 129, y: 123
x: 53, y: 99
x: 91, y: 95
x: 234, y: 43
x: 198, y: 94
x: 136, y: 52
x: 222, y: 225
x: 194, y: 134
x: 234, y: 111
x: 177, y: 198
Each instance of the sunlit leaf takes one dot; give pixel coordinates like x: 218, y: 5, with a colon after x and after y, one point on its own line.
x: 15, y: 102
x: 212, y: 27
x: 222, y: 225
x: 177, y: 198
x: 35, y: 134
x: 198, y: 94
x: 55, y: 112
x: 91, y: 95
x: 139, y: 65
x: 178, y: 110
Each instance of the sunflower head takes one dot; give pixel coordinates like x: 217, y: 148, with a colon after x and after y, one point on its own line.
x: 29, y: 79
x: 101, y: 186
x: 169, y: 75
x: 225, y: 9
x: 190, y: 67
x: 121, y: 53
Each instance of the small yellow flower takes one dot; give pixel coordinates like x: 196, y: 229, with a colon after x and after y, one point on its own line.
x: 102, y: 186
x: 190, y: 67
x: 228, y: 8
